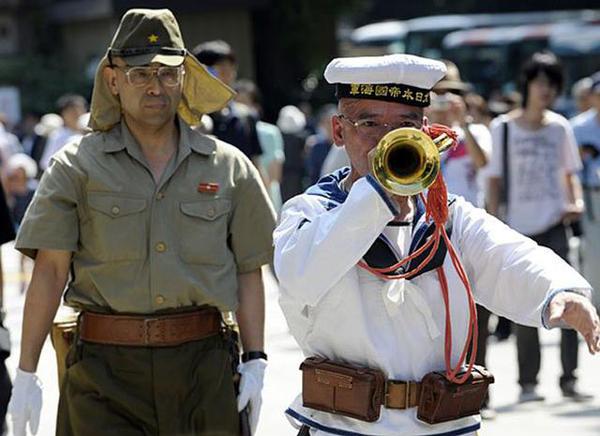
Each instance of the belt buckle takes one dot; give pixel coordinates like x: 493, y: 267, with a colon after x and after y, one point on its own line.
x: 148, y: 323
x: 407, y: 394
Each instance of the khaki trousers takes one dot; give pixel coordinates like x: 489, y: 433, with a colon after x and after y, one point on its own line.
x: 181, y: 391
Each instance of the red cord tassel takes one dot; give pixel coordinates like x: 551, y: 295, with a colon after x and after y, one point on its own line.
x: 437, y: 202
x: 436, y: 208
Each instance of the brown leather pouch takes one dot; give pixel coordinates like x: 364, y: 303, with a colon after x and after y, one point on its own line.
x: 63, y: 334
x: 442, y: 400
x: 342, y: 389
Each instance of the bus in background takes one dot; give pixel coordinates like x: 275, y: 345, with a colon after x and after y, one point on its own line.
x: 490, y: 58
x: 580, y: 52
x: 423, y: 36
x: 378, y: 38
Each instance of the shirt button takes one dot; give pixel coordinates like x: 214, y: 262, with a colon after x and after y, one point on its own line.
x: 160, y: 196
x: 160, y: 247
x: 159, y: 299
x: 115, y: 210
x: 211, y: 212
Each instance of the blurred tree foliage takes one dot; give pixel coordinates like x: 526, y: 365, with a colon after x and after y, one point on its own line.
x: 294, y: 41
x: 41, y: 73
x: 41, y: 81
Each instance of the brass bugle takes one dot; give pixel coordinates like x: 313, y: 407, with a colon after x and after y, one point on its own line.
x: 407, y: 161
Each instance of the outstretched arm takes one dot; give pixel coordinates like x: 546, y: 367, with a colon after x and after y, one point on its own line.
x: 511, y: 275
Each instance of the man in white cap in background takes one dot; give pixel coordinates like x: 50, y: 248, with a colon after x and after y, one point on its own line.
x: 292, y: 123
x: 150, y: 217
x: 364, y: 332
x: 70, y: 107
x: 34, y: 134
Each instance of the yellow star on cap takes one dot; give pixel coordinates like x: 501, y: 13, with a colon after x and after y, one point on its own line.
x: 153, y: 38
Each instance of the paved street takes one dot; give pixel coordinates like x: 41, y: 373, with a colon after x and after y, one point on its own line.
x: 553, y: 417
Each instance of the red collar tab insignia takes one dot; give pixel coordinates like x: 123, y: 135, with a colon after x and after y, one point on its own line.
x: 209, y: 188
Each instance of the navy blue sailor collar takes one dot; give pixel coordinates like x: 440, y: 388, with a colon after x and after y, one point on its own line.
x: 382, y: 254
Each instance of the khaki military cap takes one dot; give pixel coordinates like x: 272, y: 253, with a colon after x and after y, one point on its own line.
x: 148, y: 35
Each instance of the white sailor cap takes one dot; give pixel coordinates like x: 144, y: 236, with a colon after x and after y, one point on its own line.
x: 399, y: 78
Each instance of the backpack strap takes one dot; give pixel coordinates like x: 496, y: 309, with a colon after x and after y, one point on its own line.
x: 505, y: 166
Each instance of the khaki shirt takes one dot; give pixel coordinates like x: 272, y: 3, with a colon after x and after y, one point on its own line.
x: 142, y: 247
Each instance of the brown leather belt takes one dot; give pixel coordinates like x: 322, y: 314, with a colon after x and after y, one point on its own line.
x: 401, y: 394
x: 149, y: 331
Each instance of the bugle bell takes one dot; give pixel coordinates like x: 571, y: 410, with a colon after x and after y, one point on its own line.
x: 407, y: 161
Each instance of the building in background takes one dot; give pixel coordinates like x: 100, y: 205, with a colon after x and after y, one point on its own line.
x: 40, y: 37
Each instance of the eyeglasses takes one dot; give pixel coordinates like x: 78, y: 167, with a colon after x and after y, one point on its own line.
x: 374, y: 129
x: 142, y: 76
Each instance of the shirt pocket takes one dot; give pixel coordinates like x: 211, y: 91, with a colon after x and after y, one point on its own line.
x: 204, y: 231
x: 118, y: 227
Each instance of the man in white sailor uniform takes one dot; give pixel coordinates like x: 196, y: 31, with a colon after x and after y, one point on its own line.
x: 340, y: 311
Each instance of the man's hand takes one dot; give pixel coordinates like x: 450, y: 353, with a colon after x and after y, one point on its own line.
x: 25, y: 403
x: 251, y: 383
x: 576, y: 311
x: 573, y: 212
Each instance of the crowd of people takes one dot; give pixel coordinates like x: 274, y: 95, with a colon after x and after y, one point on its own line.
x: 529, y: 166
x: 296, y: 150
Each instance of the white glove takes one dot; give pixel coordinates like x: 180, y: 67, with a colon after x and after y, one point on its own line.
x: 251, y: 383
x: 25, y: 403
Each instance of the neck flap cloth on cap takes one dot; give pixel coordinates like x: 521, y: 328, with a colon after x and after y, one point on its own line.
x: 152, y: 35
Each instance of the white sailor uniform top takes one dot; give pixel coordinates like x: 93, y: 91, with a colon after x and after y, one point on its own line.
x: 340, y: 311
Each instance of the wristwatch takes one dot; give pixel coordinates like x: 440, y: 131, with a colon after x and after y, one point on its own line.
x: 252, y: 355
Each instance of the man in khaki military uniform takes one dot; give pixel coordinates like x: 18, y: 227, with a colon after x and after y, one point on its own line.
x: 162, y: 229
